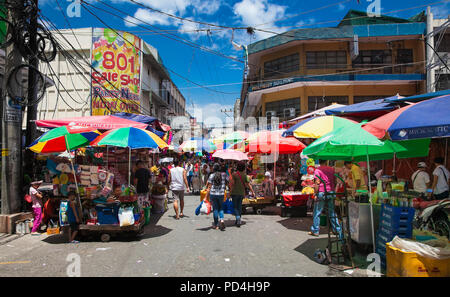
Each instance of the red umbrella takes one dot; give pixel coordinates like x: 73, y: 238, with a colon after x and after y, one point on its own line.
x: 107, y: 122
x: 268, y: 142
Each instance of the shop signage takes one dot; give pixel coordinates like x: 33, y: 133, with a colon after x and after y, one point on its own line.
x: 116, y: 79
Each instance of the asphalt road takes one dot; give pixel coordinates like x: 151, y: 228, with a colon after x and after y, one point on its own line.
x: 265, y: 245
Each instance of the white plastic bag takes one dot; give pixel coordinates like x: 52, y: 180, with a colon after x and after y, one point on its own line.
x: 126, y: 216
x: 421, y: 249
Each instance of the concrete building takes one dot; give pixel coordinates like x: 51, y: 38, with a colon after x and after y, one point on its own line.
x: 438, y: 35
x: 71, y: 95
x: 363, y: 58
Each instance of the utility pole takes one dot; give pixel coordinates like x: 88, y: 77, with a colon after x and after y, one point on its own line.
x: 429, y: 52
x: 12, y: 125
x: 31, y: 131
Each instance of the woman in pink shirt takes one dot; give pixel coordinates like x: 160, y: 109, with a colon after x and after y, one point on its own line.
x: 36, y: 199
x: 325, y: 183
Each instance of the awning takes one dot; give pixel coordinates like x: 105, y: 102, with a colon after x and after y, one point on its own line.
x: 418, y: 98
x: 319, y: 112
x: 100, y: 122
x: 367, y: 109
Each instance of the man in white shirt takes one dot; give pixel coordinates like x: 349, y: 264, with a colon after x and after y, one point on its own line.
x: 178, y: 184
x: 440, y: 180
x: 420, y: 178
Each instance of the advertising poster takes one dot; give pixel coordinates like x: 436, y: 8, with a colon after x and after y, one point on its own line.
x: 116, y: 78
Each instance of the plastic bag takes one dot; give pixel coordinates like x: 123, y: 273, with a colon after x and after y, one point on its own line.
x: 228, y: 207
x: 63, y: 219
x: 205, y: 208
x: 126, y: 216
x: 421, y: 249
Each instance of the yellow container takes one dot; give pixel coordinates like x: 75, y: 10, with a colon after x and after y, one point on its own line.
x: 410, y: 264
x: 51, y: 231
x: 203, y: 195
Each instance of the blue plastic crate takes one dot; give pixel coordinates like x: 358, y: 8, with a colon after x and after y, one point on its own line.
x: 402, y: 231
x: 396, y: 224
x: 391, y: 213
x: 108, y: 214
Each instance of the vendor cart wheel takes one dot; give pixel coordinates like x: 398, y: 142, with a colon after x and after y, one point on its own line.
x: 105, y: 237
x: 244, y: 210
x: 259, y: 211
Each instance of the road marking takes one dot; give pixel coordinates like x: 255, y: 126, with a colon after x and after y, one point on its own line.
x: 15, y: 262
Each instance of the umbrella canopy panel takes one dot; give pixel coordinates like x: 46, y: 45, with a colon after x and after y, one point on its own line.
x: 99, y: 122
x: 317, y: 127
x: 133, y: 138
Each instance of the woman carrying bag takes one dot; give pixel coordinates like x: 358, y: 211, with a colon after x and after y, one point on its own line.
x: 216, y: 185
x: 239, y: 183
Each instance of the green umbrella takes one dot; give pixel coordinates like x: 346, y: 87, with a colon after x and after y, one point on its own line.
x: 350, y: 143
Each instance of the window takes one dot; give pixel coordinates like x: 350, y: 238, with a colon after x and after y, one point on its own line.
x: 282, y: 65
x: 326, y: 59
x: 318, y: 102
x: 442, y: 82
x: 404, y: 56
x: 283, y: 108
x: 444, y: 44
x: 373, y: 58
x: 359, y: 99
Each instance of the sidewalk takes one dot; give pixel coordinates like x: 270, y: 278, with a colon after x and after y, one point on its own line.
x: 6, y: 238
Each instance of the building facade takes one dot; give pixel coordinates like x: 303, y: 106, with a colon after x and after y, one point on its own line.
x: 361, y: 59
x: 71, y: 95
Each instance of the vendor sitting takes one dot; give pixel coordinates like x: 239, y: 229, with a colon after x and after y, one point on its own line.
x: 268, y: 186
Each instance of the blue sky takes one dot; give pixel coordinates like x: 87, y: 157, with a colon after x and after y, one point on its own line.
x: 209, y: 69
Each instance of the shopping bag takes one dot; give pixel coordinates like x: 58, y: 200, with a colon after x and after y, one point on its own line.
x: 63, y: 208
x: 126, y: 216
x: 205, y: 208
x: 197, y: 210
x: 228, y: 207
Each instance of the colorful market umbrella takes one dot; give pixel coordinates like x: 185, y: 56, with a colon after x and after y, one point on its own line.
x: 317, y: 127
x: 132, y: 138
x: 230, y: 155
x: 197, y: 145
x: 425, y: 119
x: 65, y: 138
x: 268, y: 142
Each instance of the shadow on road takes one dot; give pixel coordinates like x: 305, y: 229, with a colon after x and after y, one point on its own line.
x: 309, y: 247
x: 299, y: 224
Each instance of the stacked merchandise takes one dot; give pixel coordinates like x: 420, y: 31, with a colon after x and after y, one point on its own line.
x: 394, y: 221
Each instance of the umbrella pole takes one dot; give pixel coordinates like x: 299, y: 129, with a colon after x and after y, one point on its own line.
x: 370, y: 200
x: 74, y: 175
x: 129, y: 166
x: 393, y: 167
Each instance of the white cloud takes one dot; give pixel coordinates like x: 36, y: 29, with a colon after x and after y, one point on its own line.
x: 147, y: 16
x: 341, y: 7
x: 210, y: 114
x: 206, y: 7
x: 257, y: 12
x: 441, y: 11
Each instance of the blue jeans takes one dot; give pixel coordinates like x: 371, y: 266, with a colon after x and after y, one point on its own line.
x: 217, y: 203
x: 237, y: 204
x: 318, y: 207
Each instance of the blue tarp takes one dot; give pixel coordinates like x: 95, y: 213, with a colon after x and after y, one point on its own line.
x: 418, y: 98
x: 426, y: 119
x: 372, y: 106
x: 143, y: 119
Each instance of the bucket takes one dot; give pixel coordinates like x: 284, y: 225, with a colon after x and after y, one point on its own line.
x: 323, y: 220
x: 147, y: 211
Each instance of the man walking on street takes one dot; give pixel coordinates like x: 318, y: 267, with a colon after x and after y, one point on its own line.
x: 141, y: 179
x: 178, y: 184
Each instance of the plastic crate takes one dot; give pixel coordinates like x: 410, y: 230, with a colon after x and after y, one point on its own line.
x: 391, y: 213
x: 410, y: 264
x: 108, y: 214
x: 396, y: 224
x: 402, y: 232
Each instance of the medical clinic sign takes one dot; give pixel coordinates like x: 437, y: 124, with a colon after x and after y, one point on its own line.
x: 115, y: 72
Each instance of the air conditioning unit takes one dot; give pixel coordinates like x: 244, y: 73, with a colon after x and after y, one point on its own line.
x: 289, y: 112
x: 271, y: 114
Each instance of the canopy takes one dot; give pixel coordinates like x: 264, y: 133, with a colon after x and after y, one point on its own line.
x: 268, y: 142
x: 197, y: 145
x: 418, y: 98
x: 230, y: 155
x: 425, y: 119
x: 133, y: 138
x: 145, y: 119
x: 319, y: 112
x: 229, y: 139
x: 317, y: 127
x: 99, y: 122
x: 64, y: 138
x: 367, y: 109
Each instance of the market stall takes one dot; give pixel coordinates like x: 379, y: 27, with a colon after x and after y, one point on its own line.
x: 99, y: 176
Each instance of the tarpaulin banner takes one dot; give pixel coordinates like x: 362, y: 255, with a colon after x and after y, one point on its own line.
x: 116, y: 72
